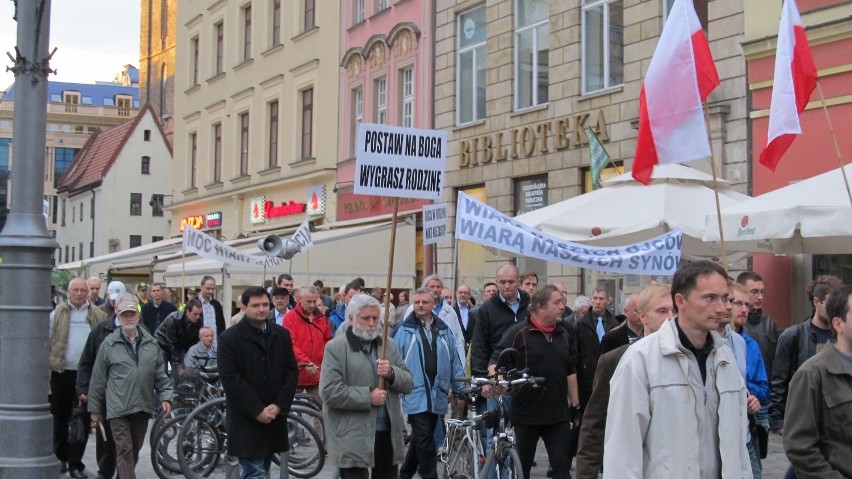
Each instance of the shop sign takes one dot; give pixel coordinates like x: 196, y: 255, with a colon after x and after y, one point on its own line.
x: 351, y: 206
x: 213, y: 219
x: 196, y: 221
x: 262, y: 209
x: 530, y: 140
x: 531, y: 194
x: 316, y: 201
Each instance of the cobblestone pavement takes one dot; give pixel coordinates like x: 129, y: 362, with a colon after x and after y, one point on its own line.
x: 774, y: 466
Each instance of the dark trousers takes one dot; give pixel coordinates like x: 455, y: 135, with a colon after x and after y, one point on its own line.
x: 383, y: 456
x: 421, y: 455
x: 129, y: 435
x: 105, y: 452
x: 555, y: 437
x: 574, y: 435
x: 63, y: 398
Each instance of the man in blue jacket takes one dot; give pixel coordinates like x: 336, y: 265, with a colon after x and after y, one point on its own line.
x: 429, y: 351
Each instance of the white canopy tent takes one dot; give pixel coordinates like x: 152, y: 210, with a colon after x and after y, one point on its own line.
x: 810, y: 216
x: 625, y: 211
x: 100, y: 265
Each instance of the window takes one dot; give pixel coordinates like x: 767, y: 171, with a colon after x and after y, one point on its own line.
x: 73, y: 213
x: 164, y: 21
x: 81, y: 211
x: 59, y: 253
x: 92, y: 207
x: 276, y: 23
x: 72, y: 253
x: 470, y: 61
x: 217, y: 152
x: 54, y: 211
x: 381, y: 5
x: 91, y: 249
x: 244, y: 144
x: 135, y: 241
x: 307, y: 122
x: 407, y: 97
x: 157, y: 204
x: 700, y: 10
x: 603, y: 44
x: 146, y: 165
x: 193, y: 159
x: 196, y: 48
x: 146, y: 135
x: 164, y: 77
x: 135, y: 204
x: 310, y: 15
x: 80, y: 249
x: 357, y: 117
x: 219, y: 28
x: 359, y: 11
x: 71, y: 100
x: 62, y: 158
x: 273, y: 134
x: 246, y: 33
x: 531, y: 52
x: 154, y: 239
x: 381, y: 101
x: 63, y: 218
x: 124, y: 104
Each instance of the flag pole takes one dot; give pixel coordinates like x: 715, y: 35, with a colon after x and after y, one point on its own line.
x: 183, y: 274
x: 715, y: 188
x: 834, y: 139
x: 388, y: 289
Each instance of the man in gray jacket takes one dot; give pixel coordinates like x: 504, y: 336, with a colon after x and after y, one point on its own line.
x: 128, y: 367
x: 349, y: 387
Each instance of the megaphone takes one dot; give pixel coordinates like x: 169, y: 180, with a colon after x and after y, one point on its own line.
x: 271, y: 245
x: 289, y: 249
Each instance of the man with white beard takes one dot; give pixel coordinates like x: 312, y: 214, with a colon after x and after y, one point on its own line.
x: 349, y: 387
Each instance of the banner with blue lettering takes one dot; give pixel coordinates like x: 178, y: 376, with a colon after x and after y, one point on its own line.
x: 206, y: 246
x: 400, y: 162
x: 480, y: 223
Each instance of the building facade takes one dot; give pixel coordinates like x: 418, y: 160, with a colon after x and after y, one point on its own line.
x: 74, y: 112
x: 256, y: 114
x: 111, y: 196
x: 157, y: 58
x: 829, y: 29
x: 386, y: 77
x: 518, y: 81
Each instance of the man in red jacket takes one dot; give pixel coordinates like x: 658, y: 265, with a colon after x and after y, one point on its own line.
x: 310, y: 331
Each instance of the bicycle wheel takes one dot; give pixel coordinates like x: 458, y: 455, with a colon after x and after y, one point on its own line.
x: 201, y: 441
x: 312, y: 417
x: 462, y: 462
x: 160, y: 420
x: 306, y: 456
x: 505, y: 461
x: 164, y: 447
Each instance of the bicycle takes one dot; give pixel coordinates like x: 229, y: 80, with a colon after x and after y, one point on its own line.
x: 463, y: 455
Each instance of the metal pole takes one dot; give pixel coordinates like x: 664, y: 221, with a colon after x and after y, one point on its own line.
x: 25, y: 246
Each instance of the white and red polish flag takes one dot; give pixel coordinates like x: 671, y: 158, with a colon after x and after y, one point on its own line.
x: 795, y: 80
x: 680, y: 77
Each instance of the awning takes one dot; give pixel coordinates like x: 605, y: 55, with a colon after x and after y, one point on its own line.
x: 102, y: 264
x: 337, y: 257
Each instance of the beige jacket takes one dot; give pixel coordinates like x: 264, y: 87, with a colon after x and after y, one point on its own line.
x: 657, y: 408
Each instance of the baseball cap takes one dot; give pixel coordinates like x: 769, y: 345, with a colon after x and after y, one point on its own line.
x: 126, y: 302
x: 142, y: 287
x: 193, y: 290
x: 115, y: 289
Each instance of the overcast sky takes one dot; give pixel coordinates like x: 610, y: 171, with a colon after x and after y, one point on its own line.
x: 95, y: 39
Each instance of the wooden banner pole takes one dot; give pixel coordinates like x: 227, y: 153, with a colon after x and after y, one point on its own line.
x: 716, y: 189
x: 836, y: 144
x: 386, y: 321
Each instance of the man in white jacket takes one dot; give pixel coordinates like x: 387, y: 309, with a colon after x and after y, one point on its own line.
x: 678, y: 402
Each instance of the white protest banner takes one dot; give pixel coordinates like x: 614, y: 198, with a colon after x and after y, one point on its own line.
x: 303, y: 236
x: 206, y: 246
x: 434, y: 223
x: 479, y: 223
x: 400, y: 162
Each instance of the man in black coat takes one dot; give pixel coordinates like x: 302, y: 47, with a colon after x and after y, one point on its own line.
x: 258, y: 370
x: 177, y: 334
x: 155, y: 311
x: 211, y: 309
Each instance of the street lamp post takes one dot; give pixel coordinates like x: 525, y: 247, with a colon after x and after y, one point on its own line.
x: 25, y: 246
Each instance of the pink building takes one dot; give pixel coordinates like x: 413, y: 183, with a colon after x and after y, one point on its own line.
x: 386, y: 76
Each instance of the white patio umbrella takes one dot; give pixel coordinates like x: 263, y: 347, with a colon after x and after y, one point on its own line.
x: 625, y: 211
x: 810, y: 216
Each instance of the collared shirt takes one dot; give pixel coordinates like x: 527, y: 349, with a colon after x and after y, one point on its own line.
x: 279, y: 317
x: 464, y: 311
x: 515, y: 303
x: 208, y: 314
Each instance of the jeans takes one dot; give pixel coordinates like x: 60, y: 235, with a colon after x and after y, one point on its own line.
x: 791, y: 473
x: 254, y: 467
x: 555, y: 437
x: 754, y: 457
x: 421, y: 455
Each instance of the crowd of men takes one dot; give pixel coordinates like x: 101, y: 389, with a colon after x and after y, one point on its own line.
x: 687, y: 380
